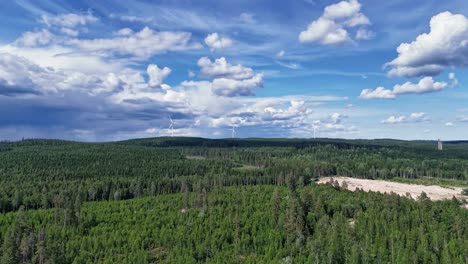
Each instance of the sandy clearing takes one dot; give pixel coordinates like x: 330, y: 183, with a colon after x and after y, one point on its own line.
x: 434, y: 192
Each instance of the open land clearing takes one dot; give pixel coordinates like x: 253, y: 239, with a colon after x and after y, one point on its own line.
x: 434, y: 192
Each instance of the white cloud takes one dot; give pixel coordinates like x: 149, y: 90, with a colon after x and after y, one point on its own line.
x: 324, y: 31
x: 336, y: 118
x: 70, y: 32
x: 289, y: 65
x: 280, y: 53
x: 425, y: 85
x: 283, y: 113
x: 64, y: 58
x: 157, y: 75
x: 47, y: 66
x: 70, y: 20
x: 462, y: 118
x: 378, y: 93
x: 124, y: 32
x: 454, y: 79
x: 230, y: 80
x: 215, y: 42
x: 142, y: 44
x: 25, y: 77
x: 406, y: 71
x: 343, y: 9
x: 236, y: 87
x: 412, y: 118
x: 69, y: 24
x: 364, y: 34
x: 357, y: 20
x: 331, y: 27
x: 28, y: 38
x: 128, y: 18
x: 418, y: 117
x: 449, y: 124
x: 221, y: 68
x: 247, y: 18
x: 394, y: 120
x: 444, y: 46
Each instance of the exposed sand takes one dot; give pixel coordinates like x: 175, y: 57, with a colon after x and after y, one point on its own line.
x: 434, y: 192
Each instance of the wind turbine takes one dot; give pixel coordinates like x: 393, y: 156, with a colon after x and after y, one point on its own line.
x: 171, y: 127
x: 233, y: 131
x: 314, y: 127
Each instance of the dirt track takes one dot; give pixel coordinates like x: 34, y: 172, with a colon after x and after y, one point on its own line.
x: 434, y: 192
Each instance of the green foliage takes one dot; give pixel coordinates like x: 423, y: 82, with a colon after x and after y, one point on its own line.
x: 190, y: 200
x: 316, y: 223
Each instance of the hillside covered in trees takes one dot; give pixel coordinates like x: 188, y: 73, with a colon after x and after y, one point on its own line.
x: 188, y: 200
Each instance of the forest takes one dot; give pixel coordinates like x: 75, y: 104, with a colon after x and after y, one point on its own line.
x: 192, y: 200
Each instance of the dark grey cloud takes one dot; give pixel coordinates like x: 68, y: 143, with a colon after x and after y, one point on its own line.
x: 10, y: 90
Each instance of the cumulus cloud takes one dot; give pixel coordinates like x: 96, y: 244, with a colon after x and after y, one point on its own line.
x: 336, y: 118
x: 221, y: 68
x: 124, y: 32
x: 215, y: 42
x: 41, y: 37
x: 230, y: 80
x: 432, y: 52
x: 21, y: 75
x: 394, y: 120
x: 324, y: 31
x: 157, y: 75
x: 449, y: 124
x: 283, y: 113
x: 332, y: 27
x: 142, y: 44
x: 343, y: 9
x: 42, y: 73
x: 412, y: 118
x: 377, y: 93
x: 425, y: 85
x: 331, y: 124
x: 235, y: 87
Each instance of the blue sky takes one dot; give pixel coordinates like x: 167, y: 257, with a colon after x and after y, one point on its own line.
x: 111, y: 70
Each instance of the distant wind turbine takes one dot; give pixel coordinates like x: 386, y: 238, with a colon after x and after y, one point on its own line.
x: 233, y: 131
x: 171, y: 127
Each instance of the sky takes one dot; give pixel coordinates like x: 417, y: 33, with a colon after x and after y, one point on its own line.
x: 111, y: 70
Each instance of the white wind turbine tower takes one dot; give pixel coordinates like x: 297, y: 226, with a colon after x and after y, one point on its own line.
x: 315, y: 127
x: 171, y: 127
x: 233, y: 131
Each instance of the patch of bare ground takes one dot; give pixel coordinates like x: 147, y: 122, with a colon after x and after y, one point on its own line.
x: 434, y: 192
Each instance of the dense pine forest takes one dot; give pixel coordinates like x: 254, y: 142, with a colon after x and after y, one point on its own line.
x: 189, y: 200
